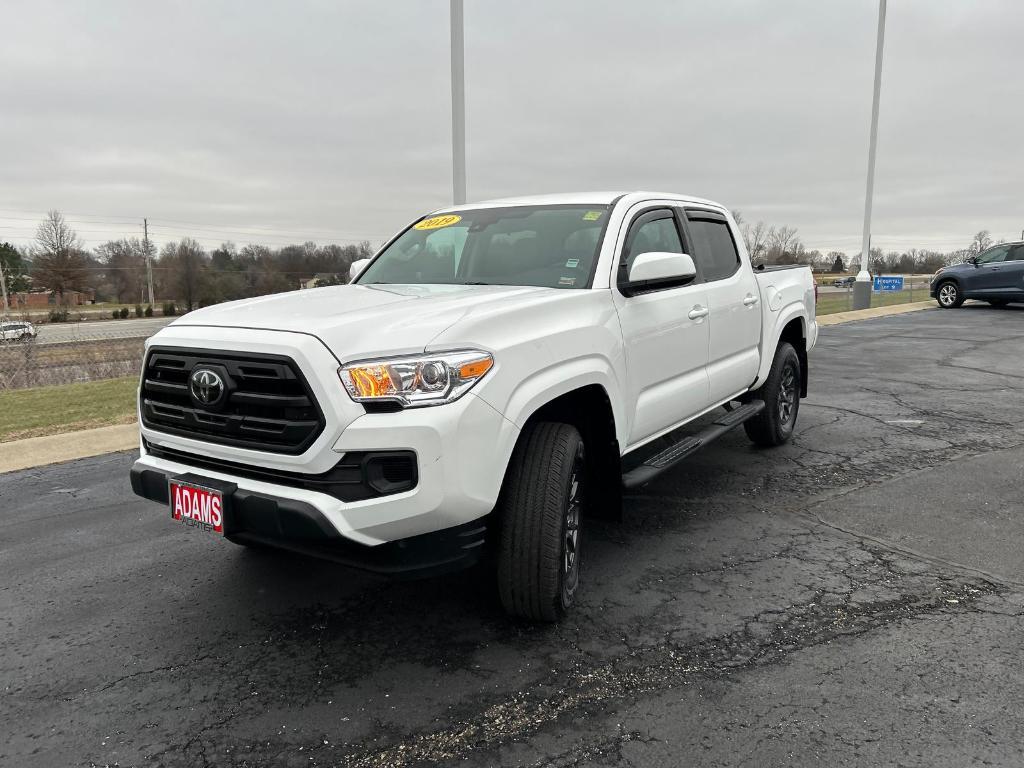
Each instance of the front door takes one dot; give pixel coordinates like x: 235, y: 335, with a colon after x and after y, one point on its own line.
x: 990, y: 275
x: 665, y: 333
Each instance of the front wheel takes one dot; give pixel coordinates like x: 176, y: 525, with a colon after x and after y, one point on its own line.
x: 948, y: 295
x: 540, y: 512
x: 781, y: 394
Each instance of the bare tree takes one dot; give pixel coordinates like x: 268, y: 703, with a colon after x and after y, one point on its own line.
x: 184, y: 264
x: 981, y: 241
x: 781, y: 243
x: 755, y: 238
x: 125, y: 262
x: 58, y: 259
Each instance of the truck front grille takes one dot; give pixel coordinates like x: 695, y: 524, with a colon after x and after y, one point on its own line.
x: 261, y: 402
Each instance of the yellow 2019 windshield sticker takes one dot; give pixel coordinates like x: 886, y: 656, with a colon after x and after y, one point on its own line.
x: 436, y: 222
x: 592, y: 215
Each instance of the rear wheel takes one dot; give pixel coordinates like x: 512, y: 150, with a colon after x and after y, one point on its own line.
x: 781, y: 395
x: 948, y: 295
x: 540, y: 511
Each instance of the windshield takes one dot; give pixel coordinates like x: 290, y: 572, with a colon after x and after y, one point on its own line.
x: 550, y: 246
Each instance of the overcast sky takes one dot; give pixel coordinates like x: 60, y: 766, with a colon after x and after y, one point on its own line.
x: 279, y: 122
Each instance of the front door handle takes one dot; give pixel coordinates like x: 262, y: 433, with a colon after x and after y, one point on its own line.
x: 750, y: 300
x: 698, y: 312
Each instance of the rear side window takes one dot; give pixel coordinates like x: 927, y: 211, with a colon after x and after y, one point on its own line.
x: 714, y: 249
x: 1016, y: 253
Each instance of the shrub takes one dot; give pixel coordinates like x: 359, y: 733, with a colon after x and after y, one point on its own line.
x: 149, y: 311
x: 170, y: 309
x: 124, y: 313
x: 115, y: 314
x: 58, y: 315
x: 138, y: 310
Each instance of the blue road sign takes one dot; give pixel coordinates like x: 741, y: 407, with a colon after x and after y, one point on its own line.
x: 886, y: 284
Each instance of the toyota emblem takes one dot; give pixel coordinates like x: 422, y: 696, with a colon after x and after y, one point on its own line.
x: 206, y: 386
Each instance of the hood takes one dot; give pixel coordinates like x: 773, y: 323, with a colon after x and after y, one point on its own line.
x: 366, y: 320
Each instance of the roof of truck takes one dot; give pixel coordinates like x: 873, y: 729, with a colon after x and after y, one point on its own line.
x: 578, y: 198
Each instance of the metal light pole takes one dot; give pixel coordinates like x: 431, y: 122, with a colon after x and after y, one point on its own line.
x: 862, y: 287
x: 458, y: 107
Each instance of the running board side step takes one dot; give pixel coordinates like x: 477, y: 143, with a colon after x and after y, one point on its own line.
x: 668, y: 458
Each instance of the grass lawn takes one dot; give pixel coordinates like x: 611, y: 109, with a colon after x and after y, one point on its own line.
x: 65, y: 408
x: 842, y: 302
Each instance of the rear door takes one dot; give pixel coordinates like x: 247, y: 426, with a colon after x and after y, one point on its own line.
x: 733, y: 300
x: 1014, y: 271
x: 665, y: 332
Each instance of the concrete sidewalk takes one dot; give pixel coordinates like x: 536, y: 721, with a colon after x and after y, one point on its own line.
x: 52, y: 449
x: 866, y: 314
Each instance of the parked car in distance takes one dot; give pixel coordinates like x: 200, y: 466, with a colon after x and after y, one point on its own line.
x: 17, y: 330
x: 844, y: 282
x: 995, y: 275
x: 491, y: 380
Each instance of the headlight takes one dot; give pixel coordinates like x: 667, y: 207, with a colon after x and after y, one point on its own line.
x: 418, y: 381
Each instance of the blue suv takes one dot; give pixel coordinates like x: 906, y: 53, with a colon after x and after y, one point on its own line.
x: 995, y: 275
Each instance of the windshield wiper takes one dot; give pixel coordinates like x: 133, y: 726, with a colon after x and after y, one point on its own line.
x: 475, y: 282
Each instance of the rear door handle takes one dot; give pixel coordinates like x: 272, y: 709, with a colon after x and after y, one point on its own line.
x: 750, y: 300
x: 698, y: 312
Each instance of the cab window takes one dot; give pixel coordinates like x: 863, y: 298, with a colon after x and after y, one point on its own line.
x: 714, y: 249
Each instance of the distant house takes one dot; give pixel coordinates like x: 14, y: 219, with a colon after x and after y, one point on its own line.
x: 323, y: 278
x: 44, y: 299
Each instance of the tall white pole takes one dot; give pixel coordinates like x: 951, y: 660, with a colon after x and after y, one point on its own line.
x: 862, y: 288
x: 458, y: 107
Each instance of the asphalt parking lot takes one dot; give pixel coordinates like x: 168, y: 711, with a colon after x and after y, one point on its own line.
x: 854, y: 598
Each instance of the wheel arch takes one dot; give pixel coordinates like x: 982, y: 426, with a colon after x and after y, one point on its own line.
x: 792, y: 328
x: 589, y: 408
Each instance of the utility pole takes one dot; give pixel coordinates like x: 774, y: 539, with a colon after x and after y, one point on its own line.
x: 458, y: 106
x: 862, y: 287
x: 149, y: 262
x: 3, y: 288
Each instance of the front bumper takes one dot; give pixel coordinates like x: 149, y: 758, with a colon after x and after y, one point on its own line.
x: 253, y: 517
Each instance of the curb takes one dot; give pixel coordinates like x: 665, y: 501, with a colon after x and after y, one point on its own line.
x: 866, y: 314
x: 52, y: 449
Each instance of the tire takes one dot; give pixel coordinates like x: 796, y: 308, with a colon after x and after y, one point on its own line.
x: 998, y: 303
x: 948, y: 295
x: 539, y: 509
x: 781, y: 394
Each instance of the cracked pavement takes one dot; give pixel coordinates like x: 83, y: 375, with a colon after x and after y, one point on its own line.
x: 853, y: 598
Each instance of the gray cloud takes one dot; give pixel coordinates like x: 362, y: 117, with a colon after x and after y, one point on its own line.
x: 268, y: 121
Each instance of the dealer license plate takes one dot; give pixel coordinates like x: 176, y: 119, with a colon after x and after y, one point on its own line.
x: 197, y: 507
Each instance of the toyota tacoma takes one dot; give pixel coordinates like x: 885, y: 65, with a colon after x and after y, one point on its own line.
x: 496, y: 375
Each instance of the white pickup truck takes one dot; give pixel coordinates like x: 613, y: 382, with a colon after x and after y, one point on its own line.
x: 497, y: 373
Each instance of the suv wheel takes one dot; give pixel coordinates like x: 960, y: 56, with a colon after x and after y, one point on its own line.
x: 781, y: 394
x: 948, y: 295
x: 540, y: 513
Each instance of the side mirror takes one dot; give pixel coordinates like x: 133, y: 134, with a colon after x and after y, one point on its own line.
x: 357, y: 266
x: 659, y: 270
